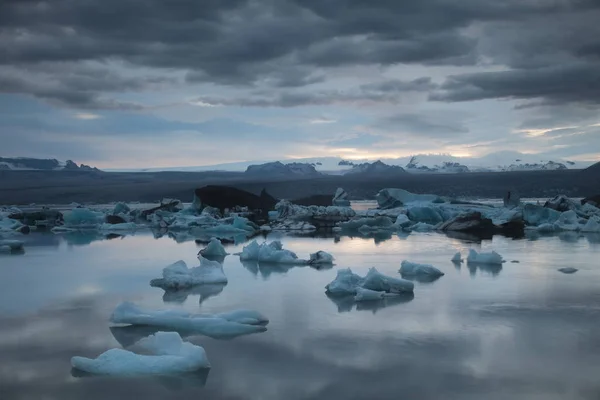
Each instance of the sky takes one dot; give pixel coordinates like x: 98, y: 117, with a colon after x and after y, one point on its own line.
x: 153, y: 83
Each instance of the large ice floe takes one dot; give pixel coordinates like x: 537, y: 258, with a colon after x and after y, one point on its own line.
x: 291, y: 216
x: 484, y: 258
x: 269, y: 253
x: 170, y: 355
x: 179, y: 276
x: 220, y: 326
x: 416, y: 270
x: 11, y: 246
x: 347, y: 283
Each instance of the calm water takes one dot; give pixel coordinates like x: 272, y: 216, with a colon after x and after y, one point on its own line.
x: 523, y: 331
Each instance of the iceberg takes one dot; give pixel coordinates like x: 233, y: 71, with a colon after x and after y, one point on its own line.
x: 11, y: 246
x: 537, y: 215
x: 546, y: 228
x: 346, y: 282
x: 204, y: 291
x: 213, y: 249
x: 225, y: 325
x: 292, y: 225
x: 320, y: 257
x: 592, y: 225
x: 484, y: 258
x: 568, y: 270
x: 375, y: 223
x: 269, y: 253
x: 83, y: 218
x: 286, y: 210
x: 121, y: 208
x: 408, y: 268
x: 393, y: 198
x: 429, y: 215
x: 422, y: 227
x: 179, y: 276
x: 457, y: 258
x: 568, y: 221
x: 126, y: 226
x: 402, y: 221
x: 171, y: 356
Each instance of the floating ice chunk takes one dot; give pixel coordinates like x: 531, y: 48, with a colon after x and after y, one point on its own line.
x: 293, y: 225
x: 457, y: 258
x: 368, y: 295
x: 126, y: 226
x: 568, y: 270
x: 320, y: 257
x: 484, y: 258
x: 344, y: 283
x: 368, y: 223
x: 422, y: 227
x: 592, y: 225
x: 429, y: 215
x: 408, y: 268
x: 402, y: 221
x: 340, y: 198
x: 231, y: 324
x: 568, y: 221
x: 375, y: 280
x: 83, y: 218
x: 537, y: 215
x: 179, y: 276
x: 213, y: 249
x: 121, y: 208
x: 269, y: 253
x: 172, y: 356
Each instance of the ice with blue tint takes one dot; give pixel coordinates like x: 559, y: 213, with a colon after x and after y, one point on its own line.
x: 347, y: 282
x: 592, y: 225
x: 320, y: 258
x: 408, y: 268
x: 536, y: 215
x: 269, y: 253
x: 83, y: 218
x: 224, y: 325
x: 171, y: 355
x: 213, y: 249
x: 429, y: 215
x: 179, y: 276
x: 484, y: 258
x: 392, y: 198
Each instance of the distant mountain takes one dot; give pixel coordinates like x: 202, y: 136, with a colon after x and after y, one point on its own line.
x: 435, y: 163
x: 548, y: 166
x: 378, y: 168
x: 278, y: 169
x: 51, y: 164
x: 447, y: 167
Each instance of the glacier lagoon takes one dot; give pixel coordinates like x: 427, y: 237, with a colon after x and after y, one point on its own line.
x: 516, y: 330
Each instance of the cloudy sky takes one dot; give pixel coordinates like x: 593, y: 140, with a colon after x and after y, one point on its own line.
x: 141, y: 83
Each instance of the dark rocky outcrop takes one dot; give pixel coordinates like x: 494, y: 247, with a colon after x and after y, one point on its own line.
x: 114, y: 219
x: 476, y: 224
x: 223, y: 197
x: 171, y: 205
x: 593, y: 200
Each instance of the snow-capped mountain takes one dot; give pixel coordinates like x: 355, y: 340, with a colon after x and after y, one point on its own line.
x: 434, y: 163
x: 375, y: 168
x: 279, y: 169
x: 33, y: 164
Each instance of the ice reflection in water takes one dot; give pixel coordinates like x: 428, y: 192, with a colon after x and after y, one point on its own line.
x: 521, y: 331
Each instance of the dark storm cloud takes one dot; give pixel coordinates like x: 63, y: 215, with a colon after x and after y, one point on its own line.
x: 272, y: 43
x: 555, y: 84
x: 389, y: 91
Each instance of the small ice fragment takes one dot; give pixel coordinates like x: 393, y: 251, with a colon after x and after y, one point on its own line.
x: 213, y: 249
x: 320, y: 257
x: 568, y: 270
x: 457, y: 258
x: 484, y: 258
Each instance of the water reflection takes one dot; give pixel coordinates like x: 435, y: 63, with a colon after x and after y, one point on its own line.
x: 347, y: 303
x: 175, y: 383
x: 205, y: 292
